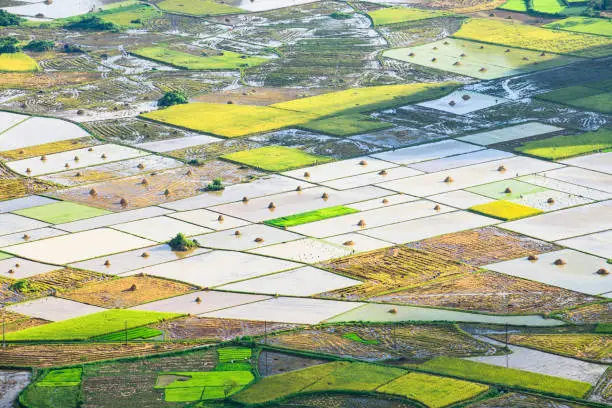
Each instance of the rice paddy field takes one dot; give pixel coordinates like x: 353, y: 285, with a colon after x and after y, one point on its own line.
x: 313, y: 203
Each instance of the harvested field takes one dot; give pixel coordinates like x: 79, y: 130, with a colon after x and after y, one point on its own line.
x: 483, y: 246
x: 47, y: 148
x: 590, y: 347
x: 259, y: 96
x: 337, y: 400
x: 45, y: 80
x: 127, y: 292
x: 139, y: 195
x: 486, y: 292
x: 189, y: 328
x: 382, y: 342
x: 273, y: 362
x: 51, y: 355
x: 598, y: 313
x: 13, y: 186
x: 514, y: 400
x: 391, y: 269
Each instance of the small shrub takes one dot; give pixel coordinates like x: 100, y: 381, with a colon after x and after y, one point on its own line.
x: 181, y: 243
x: 9, y: 45
x: 216, y: 185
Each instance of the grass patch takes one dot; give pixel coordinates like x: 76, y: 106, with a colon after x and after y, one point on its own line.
x: 196, y: 386
x: 197, y: 7
x: 310, y: 216
x: 50, y: 397
x: 356, y: 337
x: 281, y: 385
x: 587, y: 25
x: 505, y: 210
x: 562, y: 147
x: 515, y: 5
x: 17, y: 62
x: 357, y: 377
x: 604, y: 328
x: 129, y: 16
x: 61, y: 212
x: 233, y: 354
x: 596, y: 96
x: 233, y: 367
x: 276, y: 158
x: 506, y: 376
x: 534, y: 38
x: 68, y: 377
x: 223, y: 61
x: 433, y: 391
x: 346, y: 125
x: 395, y: 15
x: 548, y: 6
x: 85, y: 327
x: 138, y: 333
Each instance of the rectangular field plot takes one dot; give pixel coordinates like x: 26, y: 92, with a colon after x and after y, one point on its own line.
x: 290, y: 310
x: 468, y: 58
x: 131, y: 260
x: 37, y: 131
x: 599, y: 244
x: 469, y: 176
x: 54, y: 309
x: 583, y: 177
x: 304, y: 281
x: 597, y: 162
x: 160, y: 229
x: 103, y: 172
x: 74, y: 159
x: 567, y: 223
x: 209, y: 219
x: 460, y: 199
x: 569, y: 188
x: 308, y: 250
x: 578, y: 273
x: 209, y: 301
x: 371, y: 178
x: 29, y: 236
x: 463, y: 102
x: 599, y: 26
x: 113, y: 219
x: 510, y: 133
x: 421, y: 228
x: 15, y: 223
x: 24, y: 202
x: 566, y: 146
x: 261, y: 187
x: 370, y: 219
x: 429, y: 151
x: 248, y: 237
x: 275, y: 158
x: 61, y: 212
x: 18, y: 268
x: 80, y: 246
x: 9, y: 119
x: 336, y: 170
x: 551, y: 200
x: 297, y: 202
x: 217, y: 268
x: 163, y: 146
x: 461, y: 160
x: 383, y: 202
x: 506, y: 190
x: 380, y: 313
x: 357, y: 242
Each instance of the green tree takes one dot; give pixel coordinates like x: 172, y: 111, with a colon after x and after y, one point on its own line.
x: 8, y: 19
x: 181, y: 243
x: 9, y: 45
x: 172, y: 98
x: 39, y: 45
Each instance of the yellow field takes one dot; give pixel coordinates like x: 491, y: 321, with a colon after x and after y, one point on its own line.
x: 47, y: 148
x: 505, y: 210
x: 18, y: 62
x: 519, y: 35
x: 228, y: 120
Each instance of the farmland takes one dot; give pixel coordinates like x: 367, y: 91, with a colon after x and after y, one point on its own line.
x: 311, y: 216
x: 275, y: 158
x: 584, y: 346
x: 225, y: 60
x: 562, y: 147
x: 505, y: 210
x: 197, y: 8
x: 396, y: 15
x: 583, y: 25
x: 18, y: 62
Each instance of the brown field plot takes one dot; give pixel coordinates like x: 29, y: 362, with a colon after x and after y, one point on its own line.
x: 484, y: 246
x: 45, y: 80
x: 127, y: 292
x: 488, y: 292
x: 179, y: 183
x: 598, y: 313
x: 15, y: 321
x: 273, y: 362
x: 595, y: 347
x: 13, y: 186
x: 391, y: 269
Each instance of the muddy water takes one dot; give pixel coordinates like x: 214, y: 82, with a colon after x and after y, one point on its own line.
x: 11, y: 384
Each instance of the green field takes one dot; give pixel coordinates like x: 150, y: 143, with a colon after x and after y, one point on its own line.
x: 356, y: 337
x: 138, y: 333
x: 562, y: 147
x: 129, y: 16
x: 395, y: 15
x: 85, y: 327
x: 282, y: 385
x: 61, y: 212
x: 50, y: 397
x: 515, y: 5
x: 310, y: 216
x: 17, y: 62
x: 433, y: 391
x: 232, y: 120
x: 548, y: 6
x: 595, y: 96
x: 477, y: 60
x: 587, y: 25
x: 513, y: 34
x: 233, y: 354
x: 346, y: 125
x: 4, y: 255
x: 197, y: 7
x: 276, y: 158
x: 505, y: 210
x: 196, y: 386
x: 506, y: 376
x: 225, y: 60
x: 68, y: 377
x: 498, y: 190
x: 356, y: 377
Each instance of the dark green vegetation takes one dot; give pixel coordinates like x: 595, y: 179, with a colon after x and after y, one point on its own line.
x: 311, y: 216
x: 39, y: 45
x: 91, y: 23
x: 9, y: 45
x: 175, y: 97
x: 216, y: 185
x: 8, y: 19
x: 181, y: 243
x: 595, y: 96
